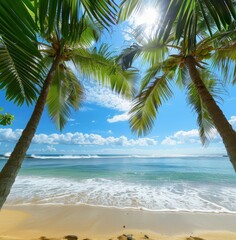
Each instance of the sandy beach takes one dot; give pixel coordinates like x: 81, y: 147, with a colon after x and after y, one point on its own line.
x: 55, y: 222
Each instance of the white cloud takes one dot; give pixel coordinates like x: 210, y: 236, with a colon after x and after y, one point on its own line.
x: 119, y: 118
x: 192, y: 136
x: 74, y: 124
x: 182, y: 137
x: 85, y: 109
x: 8, y: 135
x: 169, y: 141
x: 103, y: 96
x: 232, y: 121
x: 71, y: 120
x: 186, y: 134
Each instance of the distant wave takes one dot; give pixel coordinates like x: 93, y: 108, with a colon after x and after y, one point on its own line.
x: 115, y: 156
x: 59, y: 156
x: 62, y: 156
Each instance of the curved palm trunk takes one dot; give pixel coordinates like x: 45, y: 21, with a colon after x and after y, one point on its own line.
x: 222, y: 125
x: 13, y: 165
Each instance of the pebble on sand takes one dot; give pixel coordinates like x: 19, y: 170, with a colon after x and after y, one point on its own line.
x: 71, y: 237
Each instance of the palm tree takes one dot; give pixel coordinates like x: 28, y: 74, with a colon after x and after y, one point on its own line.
x: 39, y: 41
x: 181, y: 21
x: 186, y: 69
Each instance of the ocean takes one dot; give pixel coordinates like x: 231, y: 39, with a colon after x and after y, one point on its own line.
x: 193, y: 184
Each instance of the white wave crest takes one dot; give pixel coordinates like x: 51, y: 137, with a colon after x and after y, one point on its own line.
x: 104, y: 192
x: 63, y: 156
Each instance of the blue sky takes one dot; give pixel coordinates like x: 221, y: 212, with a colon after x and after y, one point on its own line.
x: 101, y: 125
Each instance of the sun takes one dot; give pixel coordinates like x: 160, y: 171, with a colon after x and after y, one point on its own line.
x: 148, y: 17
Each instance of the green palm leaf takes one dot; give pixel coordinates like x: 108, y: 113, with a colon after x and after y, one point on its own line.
x: 66, y: 16
x: 128, y: 7
x: 20, y: 83
x: 60, y: 16
x: 183, y: 78
x: 154, y: 51
x: 101, y: 66
x: 17, y: 26
x: 65, y: 93
x: 204, y: 120
x: 151, y: 53
x: 90, y: 34
x: 224, y: 58
x: 20, y: 63
x: 104, y: 11
x: 128, y: 55
x: 147, y: 103
x: 222, y: 12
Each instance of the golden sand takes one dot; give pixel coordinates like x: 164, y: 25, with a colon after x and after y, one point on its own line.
x: 88, y: 222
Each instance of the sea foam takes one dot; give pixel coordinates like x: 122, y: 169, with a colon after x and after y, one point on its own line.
x: 178, y: 196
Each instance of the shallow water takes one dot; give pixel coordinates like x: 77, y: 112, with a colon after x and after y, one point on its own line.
x: 205, y: 184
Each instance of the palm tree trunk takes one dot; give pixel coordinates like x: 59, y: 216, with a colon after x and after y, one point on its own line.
x: 13, y: 165
x: 224, y: 128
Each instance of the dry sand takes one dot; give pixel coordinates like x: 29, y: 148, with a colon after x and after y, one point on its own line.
x: 54, y: 222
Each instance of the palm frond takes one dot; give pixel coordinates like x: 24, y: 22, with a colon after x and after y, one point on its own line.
x: 150, y: 75
x: 20, y: 74
x: 222, y: 12
x: 131, y: 7
x: 20, y: 64
x: 153, y: 51
x: 90, y: 34
x: 167, y: 67
x: 150, y: 50
x: 147, y: 103
x: 65, y: 93
x: 224, y: 60
x: 204, y: 120
x: 66, y: 17
x: 101, y: 66
x: 128, y: 55
x: 63, y: 19
x: 17, y: 26
x: 103, y: 11
x: 183, y: 77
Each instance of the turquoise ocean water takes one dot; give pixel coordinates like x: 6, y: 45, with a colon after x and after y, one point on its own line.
x: 199, y: 183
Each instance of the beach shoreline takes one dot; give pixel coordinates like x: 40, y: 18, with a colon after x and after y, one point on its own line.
x: 84, y: 221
